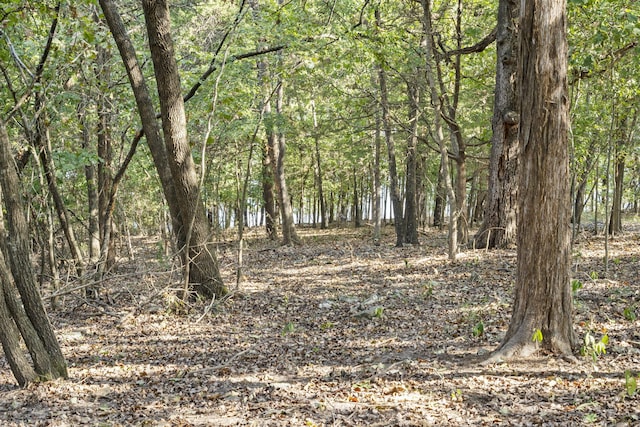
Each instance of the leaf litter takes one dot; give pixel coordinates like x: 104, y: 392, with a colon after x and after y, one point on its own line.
x: 337, y: 332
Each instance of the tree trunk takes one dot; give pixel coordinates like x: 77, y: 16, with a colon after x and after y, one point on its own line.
x: 92, y: 192
x: 105, y: 169
x: 396, y: 200
x: 436, y: 102
x: 615, y: 219
x: 543, y: 300
x: 410, y: 197
x: 201, y: 261
x: 377, y: 216
x: 147, y: 114
x: 499, y: 226
x: 318, y: 169
x: 45, y: 349
x: 289, y: 235
x: 440, y: 199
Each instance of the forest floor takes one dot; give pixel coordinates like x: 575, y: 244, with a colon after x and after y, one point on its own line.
x: 337, y: 332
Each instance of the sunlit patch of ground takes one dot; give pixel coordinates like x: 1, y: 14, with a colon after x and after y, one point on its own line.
x: 338, y: 332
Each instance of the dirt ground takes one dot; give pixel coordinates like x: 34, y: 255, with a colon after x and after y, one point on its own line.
x: 338, y: 332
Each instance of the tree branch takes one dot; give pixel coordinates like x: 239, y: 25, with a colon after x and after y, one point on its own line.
x: 478, y: 47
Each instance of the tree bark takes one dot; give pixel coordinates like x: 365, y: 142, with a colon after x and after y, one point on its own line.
x: 498, y: 228
x: 543, y: 300
x: 201, y: 261
x: 377, y: 215
x: 147, y: 114
x: 47, y: 348
x: 436, y: 102
x: 410, y: 196
x: 289, y: 235
x: 318, y: 169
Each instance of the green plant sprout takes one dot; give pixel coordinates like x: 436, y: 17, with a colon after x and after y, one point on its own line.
x: 631, y: 383
x: 478, y: 329
x: 288, y: 328
x: 629, y: 313
x: 593, y: 348
x: 537, y: 336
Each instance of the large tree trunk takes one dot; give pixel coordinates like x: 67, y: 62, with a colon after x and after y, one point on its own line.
x: 147, y: 114
x: 43, y: 346
x: 201, y: 262
x: 543, y: 300
x: 499, y: 226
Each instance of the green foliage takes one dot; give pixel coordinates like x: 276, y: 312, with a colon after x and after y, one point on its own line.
x: 537, y: 336
x: 288, y: 328
x: 378, y: 312
x: 629, y: 313
x: 631, y: 383
x: 593, y: 348
x: 576, y: 285
x: 478, y: 329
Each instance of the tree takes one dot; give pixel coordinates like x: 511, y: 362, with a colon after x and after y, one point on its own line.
x: 28, y: 318
x: 498, y: 228
x: 543, y: 302
x: 173, y: 162
x: 199, y: 254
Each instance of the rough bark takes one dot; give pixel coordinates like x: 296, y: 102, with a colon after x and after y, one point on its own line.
x: 201, y: 261
x: 543, y: 299
x: 498, y: 228
x: 147, y: 114
x: 18, y: 253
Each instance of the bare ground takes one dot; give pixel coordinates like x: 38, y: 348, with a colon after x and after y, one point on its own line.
x: 339, y: 332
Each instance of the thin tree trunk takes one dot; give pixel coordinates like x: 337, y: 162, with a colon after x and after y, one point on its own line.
x: 289, y: 235
x: 92, y: 192
x: 410, y: 208
x: 318, y: 169
x: 436, y: 102
x: 377, y: 217
x: 396, y: 200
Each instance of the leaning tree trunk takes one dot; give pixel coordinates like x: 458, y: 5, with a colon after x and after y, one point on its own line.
x: 49, y: 363
x: 499, y: 226
x: 543, y: 300
x: 200, y: 261
x: 147, y: 114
